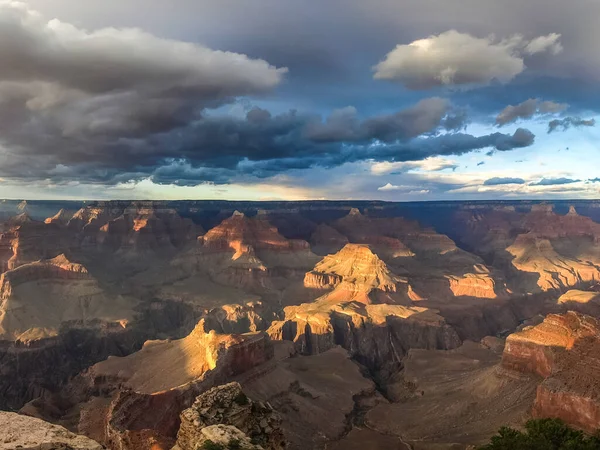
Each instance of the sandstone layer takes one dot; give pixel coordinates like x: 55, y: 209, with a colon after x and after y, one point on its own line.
x: 565, y: 351
x: 142, y: 401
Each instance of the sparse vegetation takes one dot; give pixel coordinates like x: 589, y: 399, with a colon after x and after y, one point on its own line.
x: 241, y: 399
x: 234, y: 444
x: 210, y: 445
x: 543, y: 434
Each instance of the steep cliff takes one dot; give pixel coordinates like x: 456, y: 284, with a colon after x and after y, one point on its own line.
x: 565, y: 351
x: 142, y: 401
x: 368, y: 311
x: 41, y: 298
x: 249, y: 253
x: 538, y: 249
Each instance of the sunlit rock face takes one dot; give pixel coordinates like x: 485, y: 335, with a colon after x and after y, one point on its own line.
x: 356, y: 269
x: 539, y: 250
x: 353, y: 297
x: 586, y: 302
x: 24, y: 240
x: 62, y: 217
x: 251, y: 254
x: 142, y: 401
x: 436, y: 268
x: 565, y: 351
x: 368, y: 311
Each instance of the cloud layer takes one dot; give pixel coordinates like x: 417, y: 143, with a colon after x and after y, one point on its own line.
x: 568, y: 122
x: 528, y: 109
x: 454, y: 58
x: 118, y: 105
x: 98, y: 103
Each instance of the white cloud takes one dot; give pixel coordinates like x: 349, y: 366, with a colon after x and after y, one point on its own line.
x: 541, y: 44
x: 391, y: 187
x: 411, y: 190
x: 432, y: 164
x: 454, y: 58
x: 112, y: 80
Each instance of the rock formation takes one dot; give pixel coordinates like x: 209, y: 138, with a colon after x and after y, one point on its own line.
x: 390, y: 300
x: 28, y: 433
x: 228, y: 405
x: 358, y: 274
x: 315, y: 395
x: 565, y: 351
x: 62, y: 217
x: 326, y: 240
x: 452, y: 399
x: 25, y: 240
x: 250, y: 254
x: 39, y: 299
x: 144, y: 401
x: 142, y: 229
x: 436, y: 268
x: 586, y: 302
x: 538, y: 250
x: 222, y: 437
x: 368, y: 312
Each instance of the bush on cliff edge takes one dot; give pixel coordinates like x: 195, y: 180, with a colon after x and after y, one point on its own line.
x: 543, y: 434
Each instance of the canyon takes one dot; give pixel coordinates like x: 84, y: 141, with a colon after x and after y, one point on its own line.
x: 146, y: 325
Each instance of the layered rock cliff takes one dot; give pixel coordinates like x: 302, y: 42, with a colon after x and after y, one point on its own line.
x: 142, y: 402
x: 539, y: 250
x: 368, y: 312
x: 39, y: 299
x: 565, y: 351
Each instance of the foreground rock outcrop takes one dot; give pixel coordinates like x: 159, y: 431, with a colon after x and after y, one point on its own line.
x: 138, y: 399
x: 565, y: 351
x: 228, y: 405
x: 29, y: 433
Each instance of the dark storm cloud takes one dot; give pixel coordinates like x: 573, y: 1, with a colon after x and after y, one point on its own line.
x: 74, y: 84
x: 527, y: 109
x: 568, y: 122
x: 497, y: 181
x: 331, y: 46
x: 116, y: 105
x: 554, y: 181
x: 450, y: 144
x: 145, y: 113
x: 424, y: 117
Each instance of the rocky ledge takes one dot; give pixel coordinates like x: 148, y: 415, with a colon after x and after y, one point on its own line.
x: 565, y: 351
x: 225, y: 412
x: 28, y: 433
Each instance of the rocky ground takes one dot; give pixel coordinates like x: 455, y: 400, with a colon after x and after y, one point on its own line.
x: 346, y: 325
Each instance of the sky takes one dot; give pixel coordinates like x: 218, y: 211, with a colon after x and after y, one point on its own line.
x: 294, y: 100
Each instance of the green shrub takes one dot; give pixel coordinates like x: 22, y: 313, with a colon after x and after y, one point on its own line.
x: 543, y: 434
x: 234, y: 444
x: 210, y: 445
x: 241, y: 399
